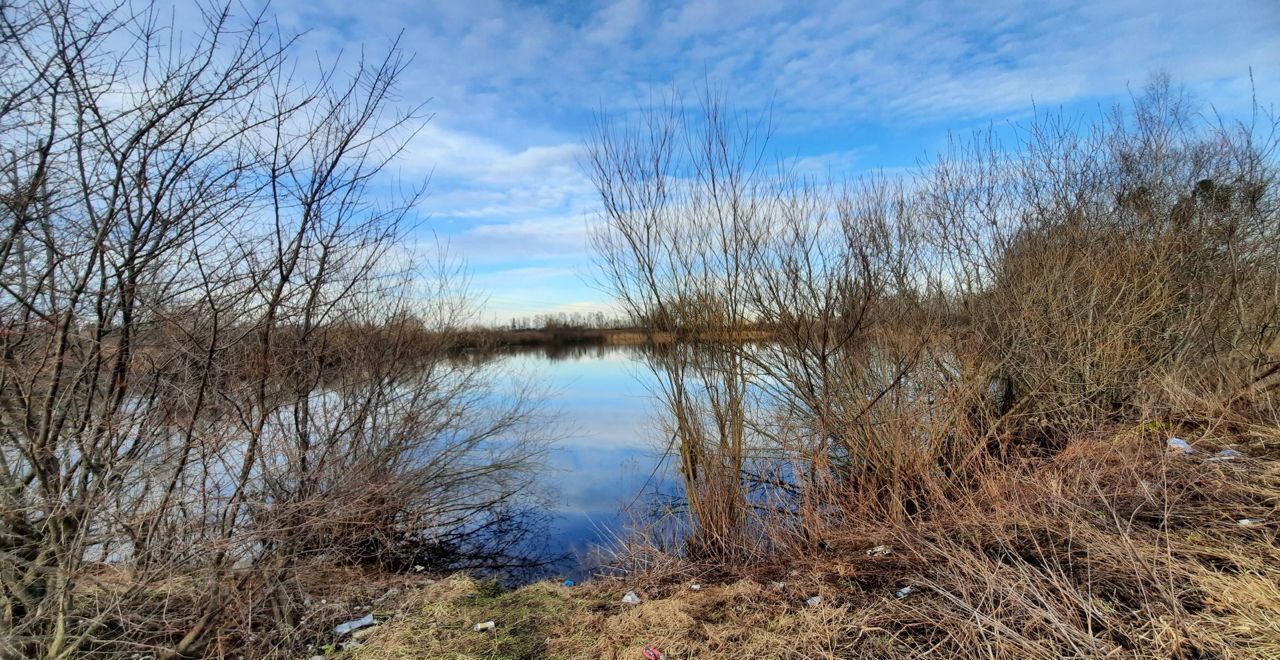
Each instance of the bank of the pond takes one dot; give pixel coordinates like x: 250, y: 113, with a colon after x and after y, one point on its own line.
x: 743, y: 618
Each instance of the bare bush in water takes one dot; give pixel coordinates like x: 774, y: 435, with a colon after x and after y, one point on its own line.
x: 926, y: 328
x: 679, y: 198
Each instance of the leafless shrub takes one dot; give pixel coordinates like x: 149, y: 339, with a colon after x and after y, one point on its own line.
x: 1094, y: 261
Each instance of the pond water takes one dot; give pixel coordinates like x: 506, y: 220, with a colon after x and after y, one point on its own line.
x: 609, y: 447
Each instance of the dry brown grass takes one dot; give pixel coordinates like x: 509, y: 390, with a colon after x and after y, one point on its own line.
x: 1113, y: 548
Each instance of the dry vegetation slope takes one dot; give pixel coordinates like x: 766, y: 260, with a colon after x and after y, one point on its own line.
x: 1114, y: 548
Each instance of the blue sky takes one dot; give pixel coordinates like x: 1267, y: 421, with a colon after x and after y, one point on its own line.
x: 855, y: 86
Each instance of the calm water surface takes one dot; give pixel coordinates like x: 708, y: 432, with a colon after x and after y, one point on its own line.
x: 609, y: 442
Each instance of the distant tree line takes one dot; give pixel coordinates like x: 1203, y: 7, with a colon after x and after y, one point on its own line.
x: 581, y: 320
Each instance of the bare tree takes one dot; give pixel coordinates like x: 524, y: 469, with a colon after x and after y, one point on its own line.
x: 204, y: 384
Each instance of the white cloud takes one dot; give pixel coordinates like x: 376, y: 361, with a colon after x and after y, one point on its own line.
x: 615, y: 23
x: 513, y: 85
x: 543, y: 238
x: 498, y: 66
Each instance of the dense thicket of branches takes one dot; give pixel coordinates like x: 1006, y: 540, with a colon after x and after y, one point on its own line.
x: 1029, y: 282
x: 205, y: 373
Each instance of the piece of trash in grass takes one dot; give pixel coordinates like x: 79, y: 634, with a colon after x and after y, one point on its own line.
x: 1227, y: 454
x: 879, y: 551
x: 779, y: 585
x: 695, y: 586
x: 387, y: 595
x: 418, y: 568
x: 569, y: 583
x: 1250, y: 522
x: 904, y: 592
x: 354, y: 624
x: 814, y: 602
x: 652, y: 653
x: 485, y: 626
x: 1178, y: 444
x: 631, y: 598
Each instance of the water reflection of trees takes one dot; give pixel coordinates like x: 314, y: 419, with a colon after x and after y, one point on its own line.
x: 554, y: 352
